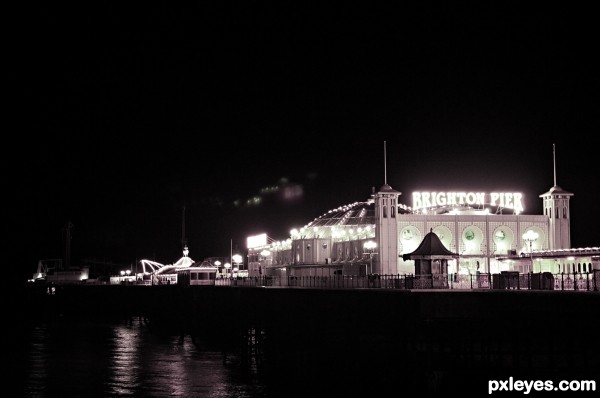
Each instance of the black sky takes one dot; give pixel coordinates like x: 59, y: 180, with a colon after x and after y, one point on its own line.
x: 135, y: 112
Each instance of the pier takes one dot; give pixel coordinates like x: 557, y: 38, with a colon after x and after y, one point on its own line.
x: 452, y: 336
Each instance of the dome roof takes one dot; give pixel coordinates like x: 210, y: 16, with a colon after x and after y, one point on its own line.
x: 356, y: 214
x: 353, y: 214
x: 387, y: 188
x: 556, y: 190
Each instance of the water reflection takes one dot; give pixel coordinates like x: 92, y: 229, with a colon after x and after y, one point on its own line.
x: 82, y: 358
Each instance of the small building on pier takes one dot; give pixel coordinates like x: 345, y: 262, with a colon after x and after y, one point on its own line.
x: 431, y: 260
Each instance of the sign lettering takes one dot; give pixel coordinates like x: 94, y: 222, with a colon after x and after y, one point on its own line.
x: 509, y: 200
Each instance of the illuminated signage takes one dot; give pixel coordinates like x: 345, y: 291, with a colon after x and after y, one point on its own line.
x: 256, y: 241
x: 509, y: 200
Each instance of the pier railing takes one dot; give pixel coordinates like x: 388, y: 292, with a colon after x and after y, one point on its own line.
x: 587, y: 281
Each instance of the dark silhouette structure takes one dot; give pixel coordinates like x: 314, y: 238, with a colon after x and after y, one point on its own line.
x: 431, y: 260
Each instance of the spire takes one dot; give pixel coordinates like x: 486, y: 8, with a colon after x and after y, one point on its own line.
x: 554, y: 161
x: 384, y: 164
x: 386, y: 187
x: 183, y: 240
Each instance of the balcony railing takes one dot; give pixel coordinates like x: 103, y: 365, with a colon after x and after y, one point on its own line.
x: 589, y: 281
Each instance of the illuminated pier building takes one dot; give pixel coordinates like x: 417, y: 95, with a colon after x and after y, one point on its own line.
x: 487, y: 230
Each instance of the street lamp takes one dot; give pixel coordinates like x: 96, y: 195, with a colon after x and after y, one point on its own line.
x: 125, y: 275
x: 227, y: 267
x: 531, y: 236
x: 237, y: 260
x: 370, y: 246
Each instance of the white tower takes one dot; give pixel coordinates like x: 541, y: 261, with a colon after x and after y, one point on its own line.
x: 556, y: 208
x: 386, y: 227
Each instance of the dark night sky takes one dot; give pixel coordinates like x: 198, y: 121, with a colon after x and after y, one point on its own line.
x: 133, y: 113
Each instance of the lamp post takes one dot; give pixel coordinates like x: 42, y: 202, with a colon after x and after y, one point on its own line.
x: 237, y: 261
x: 227, y: 267
x: 218, y: 265
x: 370, y: 246
x: 531, y: 236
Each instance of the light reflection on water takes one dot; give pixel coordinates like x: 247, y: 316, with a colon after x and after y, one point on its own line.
x: 80, y: 358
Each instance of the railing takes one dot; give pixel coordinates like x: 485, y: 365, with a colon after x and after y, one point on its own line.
x: 589, y: 281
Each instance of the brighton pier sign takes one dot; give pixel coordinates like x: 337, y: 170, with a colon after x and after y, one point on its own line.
x: 508, y: 200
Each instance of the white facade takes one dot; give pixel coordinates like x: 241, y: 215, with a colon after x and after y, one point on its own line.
x: 477, y: 239
x: 371, y: 236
